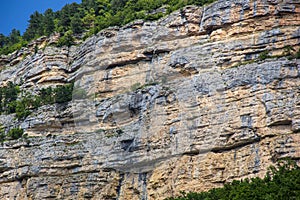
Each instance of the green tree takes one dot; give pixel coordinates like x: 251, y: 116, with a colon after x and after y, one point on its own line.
x: 24, y: 106
x: 77, y: 24
x: 2, y: 134
x: 63, y: 93
x: 3, y: 40
x: 48, y: 22
x: 90, y: 16
x: 117, y: 5
x: 103, y: 6
x: 35, y: 27
x: 11, y: 92
x: 281, y: 182
x: 65, y: 16
x: 89, y: 19
x: 15, y: 133
x: 90, y: 4
x: 14, y: 36
x: 66, y: 40
x: 11, y: 43
x: 64, y: 19
x: 46, y: 96
x: 9, y: 96
x: 21, y: 109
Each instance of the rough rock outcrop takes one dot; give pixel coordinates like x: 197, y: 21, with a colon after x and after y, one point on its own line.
x: 184, y: 103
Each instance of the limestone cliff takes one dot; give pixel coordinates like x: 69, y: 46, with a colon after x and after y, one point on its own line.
x: 183, y: 103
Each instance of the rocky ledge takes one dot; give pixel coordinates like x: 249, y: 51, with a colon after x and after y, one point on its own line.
x: 199, y: 98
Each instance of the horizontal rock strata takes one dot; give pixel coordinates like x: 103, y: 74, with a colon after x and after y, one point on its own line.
x: 199, y: 98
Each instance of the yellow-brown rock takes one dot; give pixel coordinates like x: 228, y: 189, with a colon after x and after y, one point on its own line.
x: 186, y: 103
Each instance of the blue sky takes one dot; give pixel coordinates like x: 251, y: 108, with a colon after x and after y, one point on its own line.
x: 15, y: 13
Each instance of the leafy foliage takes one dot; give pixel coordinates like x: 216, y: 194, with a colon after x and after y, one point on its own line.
x: 63, y: 93
x: 15, y: 133
x: 281, y: 182
x: 264, y: 55
x: 89, y: 17
x: 66, y: 40
x: 23, y: 106
x: 8, y: 96
x: 12, y: 134
x: 2, y: 133
x: 135, y: 86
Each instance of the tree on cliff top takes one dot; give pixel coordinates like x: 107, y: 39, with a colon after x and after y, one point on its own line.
x: 89, y: 17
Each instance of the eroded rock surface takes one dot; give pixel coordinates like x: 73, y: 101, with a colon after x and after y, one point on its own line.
x: 183, y: 103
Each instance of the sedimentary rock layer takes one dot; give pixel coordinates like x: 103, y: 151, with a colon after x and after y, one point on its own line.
x: 201, y: 97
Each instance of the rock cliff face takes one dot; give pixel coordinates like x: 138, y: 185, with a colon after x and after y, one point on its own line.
x: 188, y: 102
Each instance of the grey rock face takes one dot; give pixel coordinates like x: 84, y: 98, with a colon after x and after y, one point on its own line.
x: 187, y: 102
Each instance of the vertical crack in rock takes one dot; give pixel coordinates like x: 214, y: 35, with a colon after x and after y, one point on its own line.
x: 189, y: 102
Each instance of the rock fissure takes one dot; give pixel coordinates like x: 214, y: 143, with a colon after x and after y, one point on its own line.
x: 199, y: 98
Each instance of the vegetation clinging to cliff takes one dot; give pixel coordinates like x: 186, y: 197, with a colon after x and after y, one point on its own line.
x: 23, y: 104
x: 281, y: 182
x: 12, y: 134
x: 88, y: 18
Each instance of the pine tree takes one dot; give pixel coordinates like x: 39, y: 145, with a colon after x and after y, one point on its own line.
x: 35, y: 27
x: 14, y: 36
x: 76, y: 24
x: 49, y: 22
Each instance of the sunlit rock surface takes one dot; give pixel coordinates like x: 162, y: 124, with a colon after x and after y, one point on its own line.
x: 183, y: 103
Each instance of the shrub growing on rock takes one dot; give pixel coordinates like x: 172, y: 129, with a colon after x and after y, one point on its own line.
x: 15, y: 133
x: 280, y: 182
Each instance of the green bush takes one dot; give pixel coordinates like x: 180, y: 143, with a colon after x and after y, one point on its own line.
x: 26, y: 103
x: 8, y: 97
x: 280, y: 182
x: 89, y: 17
x: 22, y: 110
x: 46, y: 96
x: 63, y: 93
x: 66, y: 40
x: 2, y: 134
x: 135, y: 86
x: 264, y: 55
x: 15, y: 133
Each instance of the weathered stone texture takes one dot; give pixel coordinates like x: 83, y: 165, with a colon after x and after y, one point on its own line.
x: 183, y: 103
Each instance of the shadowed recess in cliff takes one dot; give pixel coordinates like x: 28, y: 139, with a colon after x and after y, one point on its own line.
x: 212, y: 96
